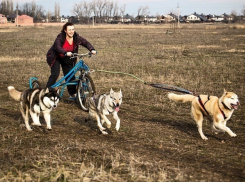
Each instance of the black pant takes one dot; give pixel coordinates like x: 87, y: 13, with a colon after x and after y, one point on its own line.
x: 55, y: 72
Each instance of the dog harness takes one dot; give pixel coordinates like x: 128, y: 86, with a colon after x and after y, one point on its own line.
x: 203, y: 106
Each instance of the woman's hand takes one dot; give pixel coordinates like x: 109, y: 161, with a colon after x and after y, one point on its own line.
x: 94, y: 52
x: 69, y: 54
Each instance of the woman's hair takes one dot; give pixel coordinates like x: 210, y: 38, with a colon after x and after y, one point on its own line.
x: 66, y: 25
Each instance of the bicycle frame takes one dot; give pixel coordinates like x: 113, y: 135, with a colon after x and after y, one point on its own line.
x: 81, y: 65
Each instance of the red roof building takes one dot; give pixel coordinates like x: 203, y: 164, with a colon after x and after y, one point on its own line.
x: 24, y: 20
x: 3, y: 19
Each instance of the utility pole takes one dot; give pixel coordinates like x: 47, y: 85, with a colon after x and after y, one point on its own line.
x: 17, y: 9
x: 178, y: 15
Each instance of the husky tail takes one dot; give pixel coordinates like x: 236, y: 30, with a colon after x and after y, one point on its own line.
x: 15, y: 94
x: 181, y: 98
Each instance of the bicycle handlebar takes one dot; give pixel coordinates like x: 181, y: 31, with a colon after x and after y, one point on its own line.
x: 75, y: 55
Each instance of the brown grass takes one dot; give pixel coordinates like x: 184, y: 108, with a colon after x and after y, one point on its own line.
x: 158, y: 140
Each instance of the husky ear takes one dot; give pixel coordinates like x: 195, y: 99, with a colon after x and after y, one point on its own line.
x: 120, y: 91
x: 47, y: 91
x: 111, y: 91
x: 225, y: 91
x: 57, y: 90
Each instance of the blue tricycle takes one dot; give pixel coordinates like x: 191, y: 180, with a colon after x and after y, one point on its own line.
x: 83, y: 81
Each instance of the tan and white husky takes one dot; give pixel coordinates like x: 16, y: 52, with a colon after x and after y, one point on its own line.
x: 105, y: 104
x: 219, y: 110
x: 34, y: 102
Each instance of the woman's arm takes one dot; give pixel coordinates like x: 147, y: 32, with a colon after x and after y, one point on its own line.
x: 58, y: 45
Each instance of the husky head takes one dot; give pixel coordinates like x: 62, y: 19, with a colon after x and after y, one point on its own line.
x: 116, y: 99
x: 230, y: 100
x: 51, y: 97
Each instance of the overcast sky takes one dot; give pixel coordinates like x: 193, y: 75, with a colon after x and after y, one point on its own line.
x: 156, y: 7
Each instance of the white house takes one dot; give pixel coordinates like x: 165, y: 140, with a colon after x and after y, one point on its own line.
x: 193, y: 17
x: 150, y: 18
x: 63, y: 19
x: 167, y: 18
x: 217, y: 18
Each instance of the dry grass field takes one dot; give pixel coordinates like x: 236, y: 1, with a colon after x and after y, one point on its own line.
x: 158, y: 139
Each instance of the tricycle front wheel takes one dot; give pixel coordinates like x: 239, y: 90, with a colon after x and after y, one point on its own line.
x: 85, y: 90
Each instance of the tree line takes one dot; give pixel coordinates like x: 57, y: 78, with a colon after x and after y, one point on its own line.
x: 99, y: 9
x: 84, y: 10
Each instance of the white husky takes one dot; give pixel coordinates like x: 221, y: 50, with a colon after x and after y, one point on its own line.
x: 102, y: 105
x: 35, y: 101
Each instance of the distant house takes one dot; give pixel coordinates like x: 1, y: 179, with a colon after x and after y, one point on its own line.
x: 217, y: 18
x: 152, y: 19
x: 166, y: 18
x: 64, y: 19
x: 24, y: 20
x: 11, y: 18
x: 127, y: 19
x: 3, y: 19
x: 196, y: 18
x: 74, y: 19
x: 227, y: 17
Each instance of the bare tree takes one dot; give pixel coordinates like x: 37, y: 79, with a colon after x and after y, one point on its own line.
x: 57, y: 11
x: 99, y: 8
x: 26, y: 9
x: 143, y: 10
x: 122, y: 10
x: 48, y: 16
x: 6, y: 7
x: 40, y: 13
x: 83, y: 10
x: 109, y: 8
x: 234, y: 16
x: 100, y: 4
x: 77, y: 9
x: 243, y: 10
x: 11, y: 7
x: 87, y: 7
x: 33, y: 8
x: 115, y: 10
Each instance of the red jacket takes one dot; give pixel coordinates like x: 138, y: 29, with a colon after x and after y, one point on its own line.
x: 57, y: 49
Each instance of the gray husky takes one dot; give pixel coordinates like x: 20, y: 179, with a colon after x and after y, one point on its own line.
x: 35, y: 101
x: 102, y: 105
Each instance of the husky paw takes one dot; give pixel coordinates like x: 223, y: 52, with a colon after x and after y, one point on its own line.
x: 205, y: 138
x: 36, y: 124
x: 104, y: 132
x: 102, y: 128
x: 28, y: 127
x: 108, y: 125
x: 233, y: 135
x: 117, y: 128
